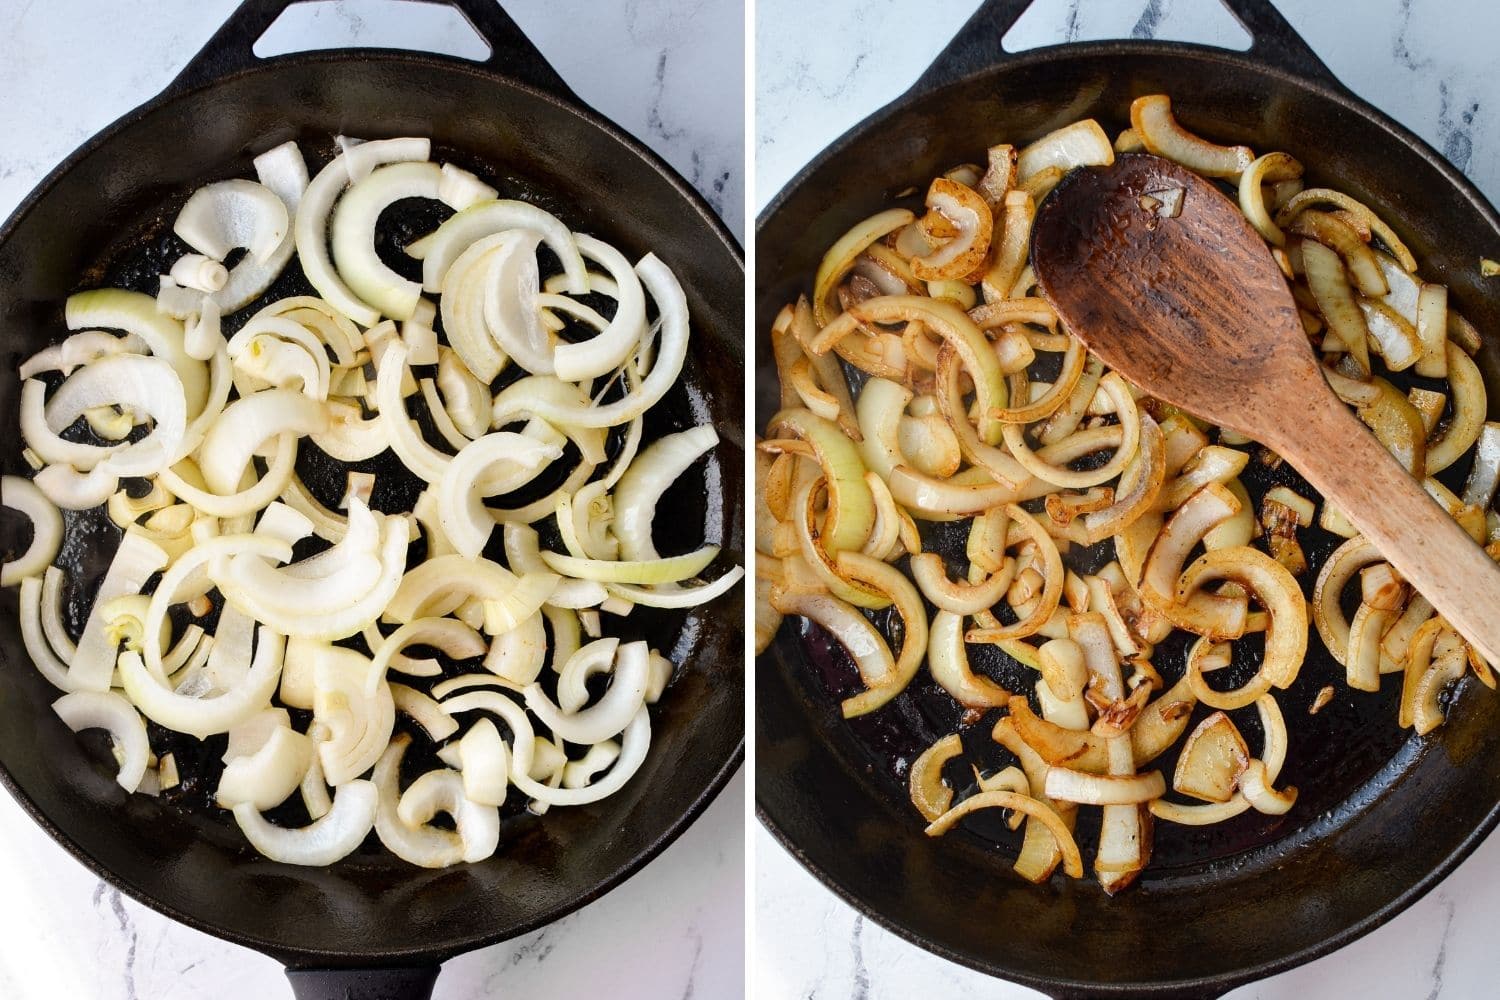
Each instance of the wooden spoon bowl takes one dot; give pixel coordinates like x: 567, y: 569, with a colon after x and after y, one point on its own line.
x: 1193, y: 309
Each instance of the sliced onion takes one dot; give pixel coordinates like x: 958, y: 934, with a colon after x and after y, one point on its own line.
x: 639, y: 490
x: 612, y: 713
x: 203, y: 717
x: 268, y: 775
x: 46, y: 529
x: 1034, y: 808
x: 439, y: 249
x: 106, y: 710
x: 493, y: 464
x: 949, y: 664
x: 352, y: 234
x: 136, y: 314
x: 611, y: 346
x: 671, y: 304
x: 1153, y: 121
x: 246, y: 425
x: 311, y: 227
x: 219, y: 217
x: 331, y: 838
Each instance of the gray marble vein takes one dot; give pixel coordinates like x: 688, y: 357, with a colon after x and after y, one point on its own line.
x: 667, y: 72
x: 1430, y: 64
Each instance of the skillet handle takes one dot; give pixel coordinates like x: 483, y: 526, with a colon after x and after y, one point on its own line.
x: 363, y: 984
x: 231, y: 49
x: 979, y: 44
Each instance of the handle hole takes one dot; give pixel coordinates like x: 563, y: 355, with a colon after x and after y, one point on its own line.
x: 1206, y: 22
x: 378, y: 24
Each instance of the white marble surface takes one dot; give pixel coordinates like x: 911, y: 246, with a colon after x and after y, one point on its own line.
x: 820, y: 69
x: 665, y: 71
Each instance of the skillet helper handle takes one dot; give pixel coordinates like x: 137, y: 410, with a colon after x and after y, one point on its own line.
x: 231, y: 49
x: 363, y: 984
x: 979, y: 44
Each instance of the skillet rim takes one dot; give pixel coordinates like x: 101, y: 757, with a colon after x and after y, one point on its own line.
x: 290, y: 954
x: 1329, y: 89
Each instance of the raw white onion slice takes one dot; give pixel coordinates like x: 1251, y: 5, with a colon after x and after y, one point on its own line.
x: 660, y: 465
x: 283, y: 172
x: 135, y: 561
x: 134, y: 313
x: 73, y: 490
x: 425, y: 845
x: 353, y: 234
x: 439, y: 249
x: 484, y: 762
x: 511, y: 314
x: 609, y: 349
x: 203, y: 717
x: 219, y: 217
x: 106, y: 710
x: 246, y: 425
x: 80, y: 349
x: 46, y: 529
x: 145, y: 386
x: 612, y: 713
x: 478, y: 826
x: 671, y: 303
x: 359, y: 722
x: 510, y: 460
x: 311, y: 227
x: 325, y: 840
x: 267, y: 776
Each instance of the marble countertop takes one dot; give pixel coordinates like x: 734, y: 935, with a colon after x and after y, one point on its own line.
x: 667, y: 72
x: 820, y: 69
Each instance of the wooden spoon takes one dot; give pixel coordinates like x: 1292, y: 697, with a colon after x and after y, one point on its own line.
x: 1194, y: 310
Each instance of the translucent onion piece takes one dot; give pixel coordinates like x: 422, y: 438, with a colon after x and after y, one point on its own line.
x: 80, y: 349
x: 246, y: 425
x: 135, y: 561
x: 136, y: 314
x: 612, y: 713
x: 518, y: 654
x: 331, y: 838
x: 203, y: 717
x: 424, y: 711
x: 1035, y: 808
x: 478, y: 826
x: 670, y: 569
x: 353, y: 234
x: 106, y: 710
x: 359, y: 723
x: 219, y: 217
x: 46, y: 529
x: 949, y: 663
x: 1081, y: 144
x: 496, y: 463
x: 1153, y: 121
x: 438, y: 250
x: 145, y: 386
x: 268, y: 775
x: 607, y: 350
x: 671, y: 305
x: 424, y: 845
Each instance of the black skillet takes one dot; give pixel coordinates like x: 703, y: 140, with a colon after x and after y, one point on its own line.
x: 372, y: 926
x: 1382, y: 816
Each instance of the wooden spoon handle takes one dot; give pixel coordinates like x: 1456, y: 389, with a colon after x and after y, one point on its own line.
x: 1339, y: 456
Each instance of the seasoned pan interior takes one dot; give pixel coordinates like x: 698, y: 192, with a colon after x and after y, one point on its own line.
x: 1378, y: 811
x: 106, y: 218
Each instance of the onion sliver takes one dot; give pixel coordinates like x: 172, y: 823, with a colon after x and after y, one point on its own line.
x: 607, y: 350
x: 136, y: 314
x: 671, y: 304
x: 359, y: 721
x: 249, y: 422
x: 1034, y: 808
x: 135, y: 561
x: 46, y: 529
x: 109, y: 711
x: 203, y: 717
x: 311, y: 225
x: 219, y: 217
x: 145, y: 386
x: 681, y: 597
x: 425, y: 845
x: 439, y: 249
x: 1067, y: 785
x: 510, y: 460
x: 353, y: 234
x: 268, y: 776
x: 656, y: 468
x: 671, y: 569
x: 949, y: 663
x: 330, y: 838
x: 478, y: 826
x: 612, y: 713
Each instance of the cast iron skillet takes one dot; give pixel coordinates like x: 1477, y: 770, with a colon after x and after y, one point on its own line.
x: 104, y: 215
x: 1381, y: 818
